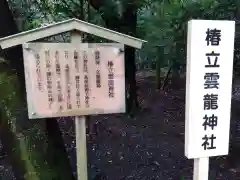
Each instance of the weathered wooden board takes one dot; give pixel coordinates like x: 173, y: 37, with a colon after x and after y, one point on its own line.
x: 64, y: 79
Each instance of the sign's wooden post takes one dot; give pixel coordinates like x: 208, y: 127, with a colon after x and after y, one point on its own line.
x: 81, y: 147
x: 210, y: 46
x: 80, y: 130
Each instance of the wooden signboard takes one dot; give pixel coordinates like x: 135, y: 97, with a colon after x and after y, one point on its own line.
x: 64, y: 79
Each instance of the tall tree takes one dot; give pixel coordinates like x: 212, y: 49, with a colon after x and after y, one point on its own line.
x: 129, y: 20
x: 56, y: 154
x: 14, y: 56
x: 125, y: 23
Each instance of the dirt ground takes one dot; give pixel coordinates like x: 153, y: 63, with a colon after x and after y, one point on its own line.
x: 151, y: 145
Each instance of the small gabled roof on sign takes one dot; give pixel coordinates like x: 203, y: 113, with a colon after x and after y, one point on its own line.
x: 69, y: 25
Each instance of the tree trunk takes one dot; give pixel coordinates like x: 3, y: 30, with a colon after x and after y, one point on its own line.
x: 129, y: 27
x: 14, y: 55
x: 57, y: 152
x: 166, y: 78
x: 127, y: 24
x: 158, y: 74
x: 158, y: 67
x: 130, y: 69
x: 15, y: 58
x: 82, y: 10
x: 9, y: 142
x: 8, y: 138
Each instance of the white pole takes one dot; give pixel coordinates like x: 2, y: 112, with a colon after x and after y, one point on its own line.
x: 80, y: 129
x: 201, y: 166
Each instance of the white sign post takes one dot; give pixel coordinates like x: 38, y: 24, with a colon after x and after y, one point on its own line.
x: 208, y: 91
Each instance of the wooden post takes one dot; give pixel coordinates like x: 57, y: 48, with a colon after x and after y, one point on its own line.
x: 160, y: 57
x: 80, y: 129
x: 158, y: 73
x: 201, y: 166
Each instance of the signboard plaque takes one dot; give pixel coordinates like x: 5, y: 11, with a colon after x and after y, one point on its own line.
x: 68, y: 79
x: 208, y: 87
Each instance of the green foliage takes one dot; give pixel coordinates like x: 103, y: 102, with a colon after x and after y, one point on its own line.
x: 8, y: 96
x: 161, y: 22
x: 165, y: 23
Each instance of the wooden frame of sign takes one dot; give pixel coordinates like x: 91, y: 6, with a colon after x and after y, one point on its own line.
x: 73, y: 79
